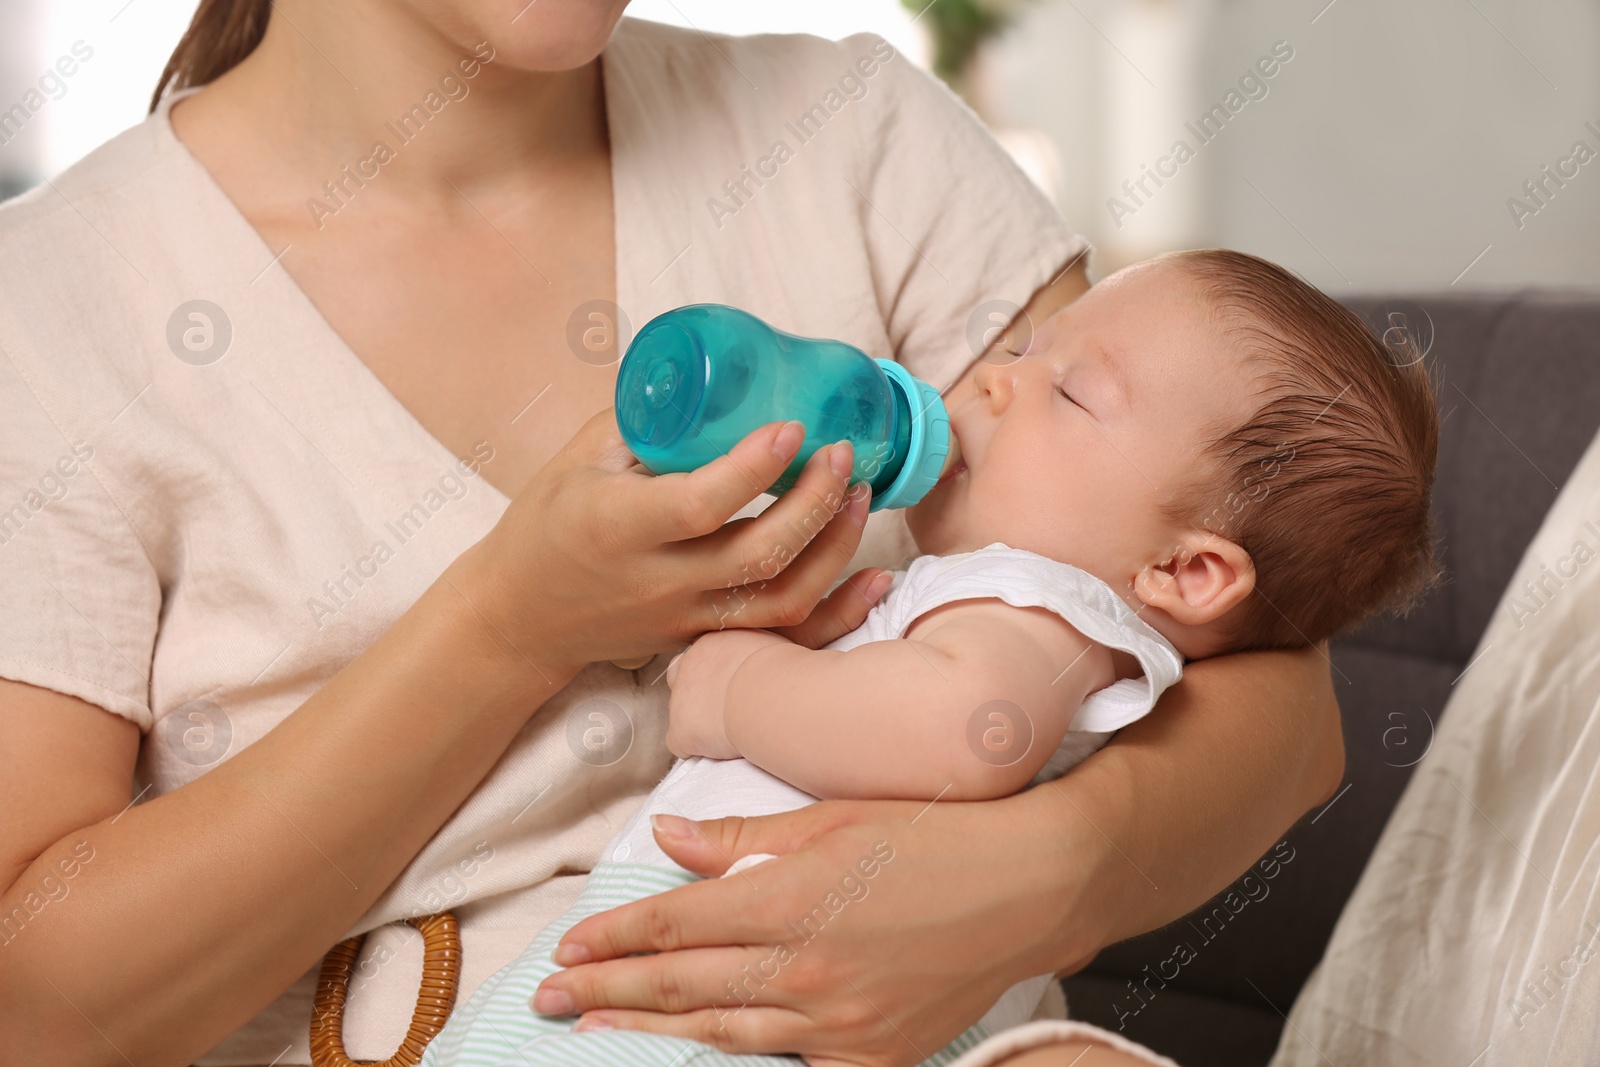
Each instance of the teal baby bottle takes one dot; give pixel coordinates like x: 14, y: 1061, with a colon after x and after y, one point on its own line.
x: 699, y: 378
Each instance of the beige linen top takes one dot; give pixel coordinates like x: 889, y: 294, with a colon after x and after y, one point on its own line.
x: 189, y: 539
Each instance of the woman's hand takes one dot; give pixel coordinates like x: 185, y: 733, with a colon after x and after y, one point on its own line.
x: 880, y: 933
x: 975, y: 896
x: 598, y: 559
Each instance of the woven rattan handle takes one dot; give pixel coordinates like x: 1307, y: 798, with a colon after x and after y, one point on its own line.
x: 441, y: 970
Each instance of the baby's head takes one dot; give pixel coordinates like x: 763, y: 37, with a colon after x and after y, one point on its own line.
x: 1233, y: 451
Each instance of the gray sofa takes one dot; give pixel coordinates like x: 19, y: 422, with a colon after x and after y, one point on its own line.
x: 1520, y: 378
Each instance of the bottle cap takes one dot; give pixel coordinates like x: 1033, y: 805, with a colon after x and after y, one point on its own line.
x: 930, y: 440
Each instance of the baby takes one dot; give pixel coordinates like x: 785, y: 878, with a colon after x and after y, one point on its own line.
x: 1202, y: 454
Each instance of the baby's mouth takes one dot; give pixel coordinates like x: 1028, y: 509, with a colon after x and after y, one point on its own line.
x: 950, y: 475
x: 953, y: 463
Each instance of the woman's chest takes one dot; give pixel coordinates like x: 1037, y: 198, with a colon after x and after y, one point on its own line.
x: 498, y: 326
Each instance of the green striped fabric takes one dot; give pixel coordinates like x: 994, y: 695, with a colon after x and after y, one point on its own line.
x: 496, y: 1027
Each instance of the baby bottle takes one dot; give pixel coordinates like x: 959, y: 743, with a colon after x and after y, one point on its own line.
x: 699, y: 378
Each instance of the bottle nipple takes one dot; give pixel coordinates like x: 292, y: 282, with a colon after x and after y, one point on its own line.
x: 952, y: 457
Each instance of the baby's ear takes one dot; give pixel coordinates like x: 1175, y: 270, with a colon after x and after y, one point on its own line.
x: 1204, y: 579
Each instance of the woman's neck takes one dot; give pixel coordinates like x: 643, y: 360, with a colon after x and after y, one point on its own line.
x: 330, y: 83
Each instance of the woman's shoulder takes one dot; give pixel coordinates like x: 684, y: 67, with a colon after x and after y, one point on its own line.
x: 773, y: 52
x: 87, y: 257
x: 54, y: 204
x: 86, y: 230
x: 782, y: 77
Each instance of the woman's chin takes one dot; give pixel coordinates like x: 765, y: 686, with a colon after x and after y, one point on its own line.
x: 556, y: 35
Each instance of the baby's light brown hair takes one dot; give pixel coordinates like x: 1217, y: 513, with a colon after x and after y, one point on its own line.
x: 1327, y: 484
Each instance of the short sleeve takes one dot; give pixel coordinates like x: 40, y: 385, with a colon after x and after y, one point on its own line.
x: 952, y: 222
x: 81, y: 600
x: 1026, y: 579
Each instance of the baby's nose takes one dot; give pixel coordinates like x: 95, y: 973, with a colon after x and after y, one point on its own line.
x: 997, y: 382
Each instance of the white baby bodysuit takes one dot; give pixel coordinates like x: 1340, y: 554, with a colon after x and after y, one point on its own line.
x: 495, y: 1026
x: 700, y: 788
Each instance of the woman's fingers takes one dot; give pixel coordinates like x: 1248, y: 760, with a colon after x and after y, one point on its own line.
x: 770, y: 543
x: 697, y: 503
x: 791, y: 564
x: 883, y: 880
x: 601, y: 443
x: 712, y: 845
x: 668, y: 983
x: 797, y: 603
x: 721, y: 911
x: 709, y: 848
x: 842, y: 610
x: 737, y: 1029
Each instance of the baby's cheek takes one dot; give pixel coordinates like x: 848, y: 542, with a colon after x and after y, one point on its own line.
x: 964, y: 389
x: 931, y: 523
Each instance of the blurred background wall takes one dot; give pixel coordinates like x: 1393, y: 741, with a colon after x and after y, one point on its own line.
x: 1388, y: 148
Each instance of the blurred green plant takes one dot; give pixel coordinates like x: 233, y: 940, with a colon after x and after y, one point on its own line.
x: 958, y: 29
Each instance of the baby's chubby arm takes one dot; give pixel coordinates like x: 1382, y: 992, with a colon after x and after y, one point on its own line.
x: 889, y: 719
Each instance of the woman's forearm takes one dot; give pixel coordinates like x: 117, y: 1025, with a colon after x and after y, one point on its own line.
x: 1183, y: 801
x: 201, y: 906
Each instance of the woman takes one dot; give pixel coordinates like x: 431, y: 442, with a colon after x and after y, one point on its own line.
x: 326, y: 347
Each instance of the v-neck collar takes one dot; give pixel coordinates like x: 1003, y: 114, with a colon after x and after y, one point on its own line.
x: 275, y: 283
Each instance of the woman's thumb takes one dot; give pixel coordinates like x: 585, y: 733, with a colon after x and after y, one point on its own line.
x: 710, y: 847
x: 600, y: 442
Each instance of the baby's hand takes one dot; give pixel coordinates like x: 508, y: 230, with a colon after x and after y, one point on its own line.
x: 699, y: 679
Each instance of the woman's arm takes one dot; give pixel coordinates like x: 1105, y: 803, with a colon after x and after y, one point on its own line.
x: 977, y: 895
x: 196, y: 909
x: 1194, y: 793
x: 184, y: 916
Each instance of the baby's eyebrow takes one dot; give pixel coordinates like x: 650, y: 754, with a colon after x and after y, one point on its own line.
x: 1114, y: 371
